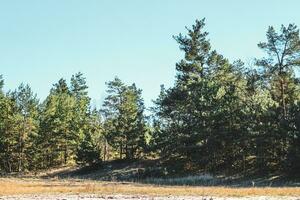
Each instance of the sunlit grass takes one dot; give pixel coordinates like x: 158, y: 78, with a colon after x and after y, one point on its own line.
x: 35, y: 186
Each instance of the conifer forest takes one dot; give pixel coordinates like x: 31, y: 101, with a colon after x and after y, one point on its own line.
x: 217, y: 117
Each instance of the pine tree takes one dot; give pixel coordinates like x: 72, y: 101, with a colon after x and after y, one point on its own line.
x: 124, y: 119
x: 1, y: 83
x: 201, y: 120
x: 27, y: 129
x: 284, y: 54
x: 283, y: 51
x: 78, y: 90
x: 58, y: 138
x: 13, y: 131
x: 90, y: 148
x: 184, y: 110
x: 8, y: 135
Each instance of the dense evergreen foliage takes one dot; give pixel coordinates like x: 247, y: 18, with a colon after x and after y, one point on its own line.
x: 125, y: 125
x: 219, y: 116
x: 226, y: 116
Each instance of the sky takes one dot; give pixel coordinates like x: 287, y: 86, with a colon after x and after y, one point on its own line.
x: 43, y: 41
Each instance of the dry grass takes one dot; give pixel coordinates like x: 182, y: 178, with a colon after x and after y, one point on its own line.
x: 36, y: 186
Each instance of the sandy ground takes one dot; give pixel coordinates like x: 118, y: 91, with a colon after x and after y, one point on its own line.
x: 135, y: 197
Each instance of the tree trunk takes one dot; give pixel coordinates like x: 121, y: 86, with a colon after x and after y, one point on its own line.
x: 66, y: 155
x: 105, y: 150
x: 121, y: 151
x: 282, y: 94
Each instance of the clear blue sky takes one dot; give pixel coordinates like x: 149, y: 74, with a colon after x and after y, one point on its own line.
x: 42, y: 41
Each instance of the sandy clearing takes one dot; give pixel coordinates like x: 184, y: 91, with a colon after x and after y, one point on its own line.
x: 135, y: 197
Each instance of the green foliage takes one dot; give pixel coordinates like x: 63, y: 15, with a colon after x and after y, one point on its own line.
x: 89, y: 151
x: 8, y: 136
x: 125, y: 125
x: 293, y: 155
x: 283, y: 50
x: 1, y: 83
x: 223, y: 116
x: 81, y: 119
x: 58, y: 139
x: 219, y: 116
x: 19, y: 127
x: 28, y: 126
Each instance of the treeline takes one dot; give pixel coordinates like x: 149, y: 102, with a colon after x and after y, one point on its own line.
x: 218, y: 117
x: 64, y: 129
